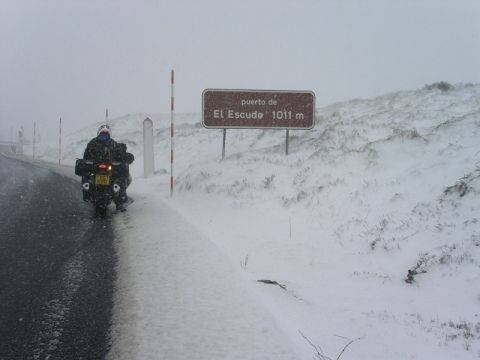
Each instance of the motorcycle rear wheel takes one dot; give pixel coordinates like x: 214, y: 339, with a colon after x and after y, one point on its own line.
x: 101, y: 211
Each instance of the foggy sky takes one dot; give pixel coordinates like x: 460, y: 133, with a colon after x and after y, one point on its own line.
x: 74, y: 58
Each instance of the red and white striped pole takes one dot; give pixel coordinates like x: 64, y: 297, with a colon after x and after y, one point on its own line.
x: 172, y: 109
x: 60, y: 142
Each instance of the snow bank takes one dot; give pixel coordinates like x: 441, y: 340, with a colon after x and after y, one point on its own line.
x: 180, y: 298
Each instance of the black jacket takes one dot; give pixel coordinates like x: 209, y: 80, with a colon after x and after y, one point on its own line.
x: 106, y: 151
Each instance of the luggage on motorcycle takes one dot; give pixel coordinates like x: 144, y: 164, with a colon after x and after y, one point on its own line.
x: 129, y: 158
x: 120, y: 154
x: 120, y: 169
x: 83, y: 167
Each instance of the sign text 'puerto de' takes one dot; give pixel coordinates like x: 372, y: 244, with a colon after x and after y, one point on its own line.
x: 258, y: 109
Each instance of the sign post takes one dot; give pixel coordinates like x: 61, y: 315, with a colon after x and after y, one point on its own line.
x: 287, y: 135
x: 258, y: 109
x: 223, y: 143
x: 148, y: 158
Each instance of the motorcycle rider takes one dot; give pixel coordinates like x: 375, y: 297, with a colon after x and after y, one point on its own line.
x: 104, y: 149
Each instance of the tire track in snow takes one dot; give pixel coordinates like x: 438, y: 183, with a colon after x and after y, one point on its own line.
x: 57, y: 309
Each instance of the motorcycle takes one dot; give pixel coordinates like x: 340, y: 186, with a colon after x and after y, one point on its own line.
x: 103, y: 183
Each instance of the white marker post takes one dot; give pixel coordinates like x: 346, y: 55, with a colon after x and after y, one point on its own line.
x: 20, y: 141
x: 172, y: 109
x: 148, y: 158
x: 60, y: 142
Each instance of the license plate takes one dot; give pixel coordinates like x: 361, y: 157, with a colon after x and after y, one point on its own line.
x: 102, y: 180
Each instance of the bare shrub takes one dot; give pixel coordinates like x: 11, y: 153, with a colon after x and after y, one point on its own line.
x: 268, y: 181
x: 244, y: 263
x: 419, y: 268
x: 441, y: 85
x: 461, y: 188
x: 408, y: 134
x: 463, y: 185
x: 301, y: 195
x: 318, y: 352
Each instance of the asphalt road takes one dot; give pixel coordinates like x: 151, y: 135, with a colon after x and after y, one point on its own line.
x: 57, y: 268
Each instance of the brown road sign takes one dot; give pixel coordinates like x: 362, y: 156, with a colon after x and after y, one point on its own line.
x: 258, y: 109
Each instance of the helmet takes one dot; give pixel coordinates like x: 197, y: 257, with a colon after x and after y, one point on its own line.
x: 104, y: 129
x: 103, y: 133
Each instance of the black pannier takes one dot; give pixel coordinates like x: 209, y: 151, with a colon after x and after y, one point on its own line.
x: 83, y: 167
x: 129, y: 158
x: 119, y: 169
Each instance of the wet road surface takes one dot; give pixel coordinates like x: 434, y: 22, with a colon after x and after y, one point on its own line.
x: 56, y: 268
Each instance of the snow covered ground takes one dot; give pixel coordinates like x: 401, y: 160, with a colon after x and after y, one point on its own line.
x: 369, y: 231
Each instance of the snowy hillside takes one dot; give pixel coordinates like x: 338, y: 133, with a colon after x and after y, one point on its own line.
x: 369, y: 229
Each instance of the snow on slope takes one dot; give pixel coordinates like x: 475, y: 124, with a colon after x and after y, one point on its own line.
x: 381, y: 191
x: 371, y: 223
